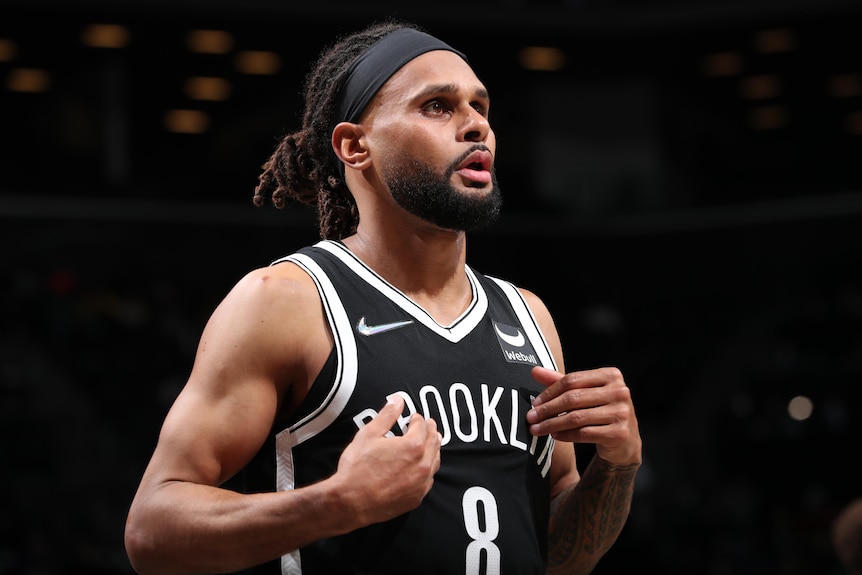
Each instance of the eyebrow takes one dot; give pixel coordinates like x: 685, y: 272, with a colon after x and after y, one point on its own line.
x: 450, y: 89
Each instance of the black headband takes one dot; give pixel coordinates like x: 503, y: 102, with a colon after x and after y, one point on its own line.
x: 377, y: 64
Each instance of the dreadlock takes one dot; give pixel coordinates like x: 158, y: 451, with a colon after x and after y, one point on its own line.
x: 303, y: 166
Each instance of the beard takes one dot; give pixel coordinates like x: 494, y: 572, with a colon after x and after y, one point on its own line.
x: 431, y: 196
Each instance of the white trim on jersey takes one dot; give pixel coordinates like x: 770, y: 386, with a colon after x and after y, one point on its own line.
x: 324, y: 414
x: 285, y: 480
x: 347, y: 362
x: 540, y: 345
x: 454, y: 332
x: 528, y: 322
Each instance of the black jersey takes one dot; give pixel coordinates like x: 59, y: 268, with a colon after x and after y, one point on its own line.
x: 487, y: 512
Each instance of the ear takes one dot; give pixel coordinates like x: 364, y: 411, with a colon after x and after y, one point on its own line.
x: 349, y: 144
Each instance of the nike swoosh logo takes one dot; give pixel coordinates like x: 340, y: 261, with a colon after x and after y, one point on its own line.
x: 366, y: 329
x: 514, y: 340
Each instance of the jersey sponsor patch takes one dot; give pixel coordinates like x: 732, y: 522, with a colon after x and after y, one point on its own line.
x: 514, y: 344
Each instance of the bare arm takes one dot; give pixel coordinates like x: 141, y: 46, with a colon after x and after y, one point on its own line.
x: 587, y: 512
x: 262, y: 341
x: 587, y: 518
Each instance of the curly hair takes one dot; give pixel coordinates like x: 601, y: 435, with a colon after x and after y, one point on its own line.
x: 303, y: 166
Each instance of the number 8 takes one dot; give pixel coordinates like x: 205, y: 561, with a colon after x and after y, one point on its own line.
x: 482, y: 540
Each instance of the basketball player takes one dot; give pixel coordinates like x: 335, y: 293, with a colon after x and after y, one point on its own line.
x: 389, y: 409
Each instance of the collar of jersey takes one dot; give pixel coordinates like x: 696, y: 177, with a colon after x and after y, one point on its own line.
x: 454, y: 332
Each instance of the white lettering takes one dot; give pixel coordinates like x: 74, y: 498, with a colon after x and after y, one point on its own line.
x: 411, y: 409
x: 456, y: 416
x: 489, y: 413
x: 513, y: 428
x: 439, y: 414
x: 456, y: 412
x: 364, y: 417
x: 545, y: 456
x: 519, y: 356
x: 547, y: 466
x: 535, y: 437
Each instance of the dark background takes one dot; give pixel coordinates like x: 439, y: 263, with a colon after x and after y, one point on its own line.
x: 698, y: 229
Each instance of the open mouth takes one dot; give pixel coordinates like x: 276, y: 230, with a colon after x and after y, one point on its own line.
x: 478, y: 161
x: 476, y: 169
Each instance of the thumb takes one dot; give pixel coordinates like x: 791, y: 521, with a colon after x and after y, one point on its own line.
x: 387, y: 416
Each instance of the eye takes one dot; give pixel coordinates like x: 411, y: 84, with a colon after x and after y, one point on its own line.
x: 436, y: 108
x: 481, y: 107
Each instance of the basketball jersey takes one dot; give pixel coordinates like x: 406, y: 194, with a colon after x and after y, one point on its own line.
x: 487, y: 512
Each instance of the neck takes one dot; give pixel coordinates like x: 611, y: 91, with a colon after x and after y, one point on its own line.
x: 427, y: 267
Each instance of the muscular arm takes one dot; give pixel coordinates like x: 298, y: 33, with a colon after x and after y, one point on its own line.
x: 587, y: 518
x: 261, y: 344
x: 587, y: 512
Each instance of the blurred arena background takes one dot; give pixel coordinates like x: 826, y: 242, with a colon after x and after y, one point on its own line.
x: 682, y: 184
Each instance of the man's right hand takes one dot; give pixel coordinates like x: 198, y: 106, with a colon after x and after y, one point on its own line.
x: 384, y: 477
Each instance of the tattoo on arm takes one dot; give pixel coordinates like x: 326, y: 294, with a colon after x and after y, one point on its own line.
x: 586, y: 519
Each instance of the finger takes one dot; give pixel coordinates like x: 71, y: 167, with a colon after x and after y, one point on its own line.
x: 417, y: 427
x: 557, y: 384
x: 577, y: 403
x: 425, y: 431
x: 579, y: 418
x: 387, y: 416
x: 435, y: 438
x: 545, y: 376
x: 433, y: 443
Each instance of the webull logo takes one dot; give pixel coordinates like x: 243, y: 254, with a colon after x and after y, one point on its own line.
x: 515, y: 346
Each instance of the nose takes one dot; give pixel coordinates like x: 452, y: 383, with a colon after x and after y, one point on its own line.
x: 476, y: 126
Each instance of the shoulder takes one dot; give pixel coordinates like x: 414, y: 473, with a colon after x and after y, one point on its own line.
x: 279, y: 295
x: 271, y: 313
x: 276, y: 288
x: 274, y: 280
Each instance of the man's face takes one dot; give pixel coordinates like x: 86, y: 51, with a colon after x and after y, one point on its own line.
x: 432, y: 143
x: 432, y: 196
